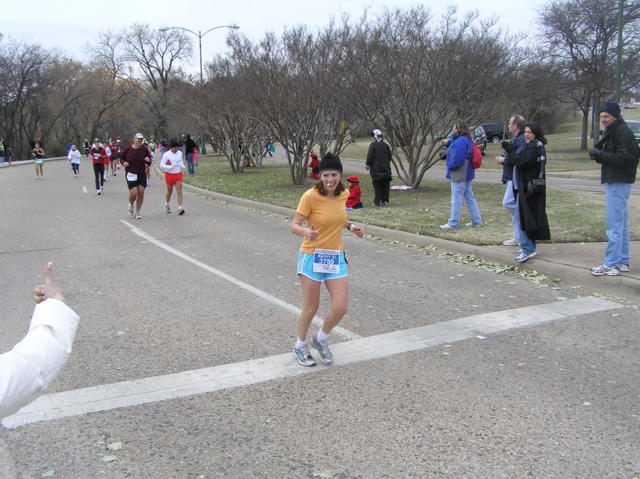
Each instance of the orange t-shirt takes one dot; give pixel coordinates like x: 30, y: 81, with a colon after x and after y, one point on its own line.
x: 326, y: 215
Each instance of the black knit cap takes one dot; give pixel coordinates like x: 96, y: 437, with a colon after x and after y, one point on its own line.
x: 611, y: 107
x: 330, y: 162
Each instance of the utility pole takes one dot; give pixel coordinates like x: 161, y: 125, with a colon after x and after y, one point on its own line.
x: 620, y: 49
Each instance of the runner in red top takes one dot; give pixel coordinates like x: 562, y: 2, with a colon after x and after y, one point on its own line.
x: 115, y: 156
x: 135, y: 159
x: 97, y: 155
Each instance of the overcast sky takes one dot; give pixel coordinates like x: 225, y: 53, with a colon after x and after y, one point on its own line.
x: 70, y: 24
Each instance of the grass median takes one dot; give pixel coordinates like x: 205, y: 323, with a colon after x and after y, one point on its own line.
x: 573, y: 217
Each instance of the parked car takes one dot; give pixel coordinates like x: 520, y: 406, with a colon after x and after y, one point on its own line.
x: 634, y: 126
x: 495, y: 132
x: 477, y: 135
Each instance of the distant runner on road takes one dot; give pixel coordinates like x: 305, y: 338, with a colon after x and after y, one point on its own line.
x: 172, y: 164
x: 135, y: 159
x: 38, y: 160
x: 97, y: 155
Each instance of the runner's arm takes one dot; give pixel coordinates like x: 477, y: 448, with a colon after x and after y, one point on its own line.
x: 299, y: 230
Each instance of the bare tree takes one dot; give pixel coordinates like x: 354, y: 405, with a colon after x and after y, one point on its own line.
x: 412, y: 77
x: 291, y: 83
x: 581, y: 35
x: 67, y: 96
x: 536, y: 90
x: 23, y: 94
x: 155, y: 55
x: 229, y: 120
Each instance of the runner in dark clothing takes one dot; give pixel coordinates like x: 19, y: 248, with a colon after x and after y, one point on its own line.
x: 135, y: 159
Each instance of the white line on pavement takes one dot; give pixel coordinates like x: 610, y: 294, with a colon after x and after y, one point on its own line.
x: 245, y: 373
x: 272, y: 299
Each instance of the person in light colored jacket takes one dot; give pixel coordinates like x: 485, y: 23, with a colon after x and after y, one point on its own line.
x: 33, y: 363
x: 74, y: 156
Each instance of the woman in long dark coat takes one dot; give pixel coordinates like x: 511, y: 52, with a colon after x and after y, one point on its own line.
x: 529, y: 164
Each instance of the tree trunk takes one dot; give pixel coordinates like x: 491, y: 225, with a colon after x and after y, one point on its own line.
x: 585, y: 128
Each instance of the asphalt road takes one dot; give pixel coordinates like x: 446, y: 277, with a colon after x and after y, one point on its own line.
x: 556, y: 397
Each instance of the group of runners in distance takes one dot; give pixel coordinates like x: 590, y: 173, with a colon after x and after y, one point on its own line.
x: 136, y: 159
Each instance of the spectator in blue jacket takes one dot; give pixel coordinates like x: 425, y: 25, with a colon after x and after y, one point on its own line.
x: 516, y: 128
x: 461, y: 173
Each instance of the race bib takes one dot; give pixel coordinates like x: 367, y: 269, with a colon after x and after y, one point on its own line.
x: 132, y: 177
x: 326, y: 261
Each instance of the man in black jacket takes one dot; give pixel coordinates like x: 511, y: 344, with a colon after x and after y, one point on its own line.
x: 516, y: 128
x: 618, y: 153
x: 190, y: 146
x: 379, y: 166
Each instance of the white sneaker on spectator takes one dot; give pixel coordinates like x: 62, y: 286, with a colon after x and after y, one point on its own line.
x: 522, y: 257
x: 511, y: 242
x: 605, y: 271
x: 623, y: 268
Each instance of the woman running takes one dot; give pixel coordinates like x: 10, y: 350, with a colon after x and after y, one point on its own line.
x: 38, y: 160
x: 321, y: 257
x: 172, y: 164
x: 97, y: 155
x: 74, y: 158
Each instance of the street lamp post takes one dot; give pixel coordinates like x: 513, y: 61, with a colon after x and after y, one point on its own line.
x: 199, y: 34
x: 620, y: 50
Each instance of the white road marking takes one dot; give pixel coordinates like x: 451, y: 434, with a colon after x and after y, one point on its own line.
x: 266, y: 296
x: 84, y: 189
x: 172, y: 386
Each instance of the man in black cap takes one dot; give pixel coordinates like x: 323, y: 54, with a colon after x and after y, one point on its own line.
x: 379, y: 166
x: 618, y: 153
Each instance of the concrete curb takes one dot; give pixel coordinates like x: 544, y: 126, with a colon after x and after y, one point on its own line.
x: 555, y: 270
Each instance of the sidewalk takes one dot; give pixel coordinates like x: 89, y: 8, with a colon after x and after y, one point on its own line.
x: 566, y: 262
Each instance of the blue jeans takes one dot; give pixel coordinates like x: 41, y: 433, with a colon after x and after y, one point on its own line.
x: 459, y: 190
x: 509, y: 202
x: 617, y: 196
x: 190, y: 167
x: 527, y: 245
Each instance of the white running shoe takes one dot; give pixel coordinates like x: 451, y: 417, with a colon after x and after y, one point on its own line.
x: 511, y: 242
x: 522, y: 257
x: 605, y: 271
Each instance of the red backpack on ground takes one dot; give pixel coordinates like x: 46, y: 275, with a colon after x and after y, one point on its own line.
x: 476, y: 156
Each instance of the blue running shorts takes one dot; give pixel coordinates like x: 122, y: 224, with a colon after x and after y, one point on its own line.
x: 305, y: 267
